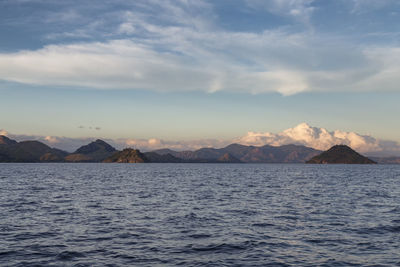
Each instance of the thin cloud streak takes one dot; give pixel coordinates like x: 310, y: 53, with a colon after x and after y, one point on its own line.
x: 184, y: 49
x: 124, y: 64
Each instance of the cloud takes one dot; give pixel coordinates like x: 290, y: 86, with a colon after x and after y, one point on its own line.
x: 3, y: 132
x: 360, y: 6
x: 126, y: 28
x: 126, y: 65
x: 52, y: 139
x: 322, y: 139
x: 261, y: 63
x: 184, y: 49
x: 299, y: 9
x: 65, y: 16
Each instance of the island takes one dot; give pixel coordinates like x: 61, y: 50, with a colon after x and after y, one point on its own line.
x: 340, y: 154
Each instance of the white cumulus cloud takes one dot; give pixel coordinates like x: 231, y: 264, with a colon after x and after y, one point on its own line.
x: 322, y: 139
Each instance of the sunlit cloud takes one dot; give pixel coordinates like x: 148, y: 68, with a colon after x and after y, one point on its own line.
x: 321, y: 139
x: 52, y: 139
x: 3, y: 132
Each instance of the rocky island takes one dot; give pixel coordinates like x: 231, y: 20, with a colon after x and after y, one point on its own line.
x: 340, y: 154
x: 128, y: 155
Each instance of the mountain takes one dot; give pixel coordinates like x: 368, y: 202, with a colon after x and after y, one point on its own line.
x: 96, y: 151
x: 247, y: 154
x: 340, y: 154
x: 28, y: 151
x: 165, y: 158
x: 100, y: 151
x: 128, y: 155
x: 96, y: 146
x: 228, y: 158
x: 281, y: 154
x: 4, y: 140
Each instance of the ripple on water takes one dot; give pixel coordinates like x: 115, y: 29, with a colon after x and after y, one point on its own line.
x: 69, y: 255
x: 199, y: 215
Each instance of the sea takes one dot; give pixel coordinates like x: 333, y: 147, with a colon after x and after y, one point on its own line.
x: 199, y: 215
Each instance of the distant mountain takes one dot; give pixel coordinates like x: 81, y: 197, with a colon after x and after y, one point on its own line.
x: 100, y: 151
x: 4, y: 140
x: 340, y: 154
x: 247, y: 154
x: 96, y: 146
x: 28, y: 151
x: 228, y: 158
x: 165, y: 158
x: 128, y: 155
x: 96, y: 151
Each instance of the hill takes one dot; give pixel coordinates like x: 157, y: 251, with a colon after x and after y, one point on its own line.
x: 228, y: 158
x: 128, y: 155
x: 247, y: 154
x: 28, y: 151
x: 96, y: 151
x: 165, y: 158
x: 340, y: 154
x: 4, y: 140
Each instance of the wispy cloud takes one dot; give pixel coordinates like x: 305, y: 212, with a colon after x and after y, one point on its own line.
x: 181, y: 47
x: 301, y: 10
x: 126, y: 64
x: 360, y: 6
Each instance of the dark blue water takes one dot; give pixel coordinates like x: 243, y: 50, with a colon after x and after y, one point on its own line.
x: 199, y: 215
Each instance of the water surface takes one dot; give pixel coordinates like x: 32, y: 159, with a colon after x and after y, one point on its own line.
x: 199, y: 215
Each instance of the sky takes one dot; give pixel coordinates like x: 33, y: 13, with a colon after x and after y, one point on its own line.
x: 199, y: 72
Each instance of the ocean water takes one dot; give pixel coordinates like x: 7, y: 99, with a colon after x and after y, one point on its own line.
x: 199, y: 215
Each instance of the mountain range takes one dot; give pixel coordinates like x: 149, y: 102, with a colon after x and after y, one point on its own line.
x: 246, y: 154
x: 28, y: 151
x: 303, y: 134
x: 100, y: 151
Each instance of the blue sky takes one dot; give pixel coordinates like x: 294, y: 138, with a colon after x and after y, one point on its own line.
x: 183, y: 70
